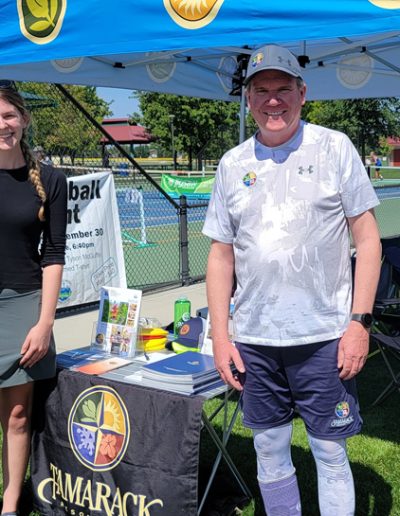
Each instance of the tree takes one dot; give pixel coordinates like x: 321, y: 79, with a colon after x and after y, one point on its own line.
x: 365, y: 121
x: 57, y: 125
x: 201, y: 128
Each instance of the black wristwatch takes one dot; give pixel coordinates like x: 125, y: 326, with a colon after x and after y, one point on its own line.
x: 365, y: 319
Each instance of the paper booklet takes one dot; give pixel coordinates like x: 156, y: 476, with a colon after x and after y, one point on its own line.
x: 79, y: 356
x: 117, y: 325
x: 181, y: 388
x: 190, y: 367
x: 102, y: 366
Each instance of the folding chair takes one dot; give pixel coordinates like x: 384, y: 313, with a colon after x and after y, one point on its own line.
x: 391, y: 255
x: 386, y: 330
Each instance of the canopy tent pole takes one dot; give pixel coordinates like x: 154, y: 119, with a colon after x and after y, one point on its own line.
x: 242, y: 116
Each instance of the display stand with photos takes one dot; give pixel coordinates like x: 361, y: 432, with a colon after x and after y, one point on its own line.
x: 116, y: 330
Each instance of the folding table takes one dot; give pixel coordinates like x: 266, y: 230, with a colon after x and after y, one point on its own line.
x: 160, y: 461
x: 220, y: 443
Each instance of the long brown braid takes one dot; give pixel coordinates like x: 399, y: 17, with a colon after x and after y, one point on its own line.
x: 13, y: 97
x: 34, y: 174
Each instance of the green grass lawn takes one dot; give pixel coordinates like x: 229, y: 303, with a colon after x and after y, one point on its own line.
x: 374, y: 454
x: 388, y: 173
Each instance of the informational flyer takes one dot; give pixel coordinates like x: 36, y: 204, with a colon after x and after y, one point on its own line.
x: 117, y: 326
x: 102, y: 366
x: 94, y: 251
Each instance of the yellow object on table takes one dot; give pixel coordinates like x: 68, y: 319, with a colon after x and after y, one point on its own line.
x: 152, y: 339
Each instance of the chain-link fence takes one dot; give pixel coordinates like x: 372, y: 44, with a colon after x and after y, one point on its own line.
x: 387, y: 213
x: 162, y: 239
x: 161, y: 236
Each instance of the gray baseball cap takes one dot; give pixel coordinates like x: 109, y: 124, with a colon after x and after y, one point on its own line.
x: 272, y: 57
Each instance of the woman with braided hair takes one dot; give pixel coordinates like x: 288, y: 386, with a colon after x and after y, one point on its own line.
x: 33, y: 215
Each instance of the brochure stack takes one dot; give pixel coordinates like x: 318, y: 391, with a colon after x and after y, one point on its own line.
x: 186, y: 373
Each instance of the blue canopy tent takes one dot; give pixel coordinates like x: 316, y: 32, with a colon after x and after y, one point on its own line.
x: 350, y: 48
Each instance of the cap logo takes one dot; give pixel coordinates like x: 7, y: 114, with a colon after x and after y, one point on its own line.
x: 285, y: 62
x: 185, y: 329
x: 257, y: 59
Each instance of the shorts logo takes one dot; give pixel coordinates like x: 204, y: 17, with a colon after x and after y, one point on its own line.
x: 342, y: 409
x: 98, y: 428
x: 249, y: 179
x: 342, y: 412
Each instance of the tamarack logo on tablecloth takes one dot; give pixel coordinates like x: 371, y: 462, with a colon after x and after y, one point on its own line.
x: 41, y: 20
x: 99, y: 433
x: 193, y: 14
x: 98, y: 428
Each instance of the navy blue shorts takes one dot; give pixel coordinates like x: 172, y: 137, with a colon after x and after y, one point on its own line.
x: 278, y: 380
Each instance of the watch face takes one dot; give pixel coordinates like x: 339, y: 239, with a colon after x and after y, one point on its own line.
x: 367, y: 320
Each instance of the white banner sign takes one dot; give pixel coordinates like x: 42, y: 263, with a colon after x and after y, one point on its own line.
x: 94, y: 253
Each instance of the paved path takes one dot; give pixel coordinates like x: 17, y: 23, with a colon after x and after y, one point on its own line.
x: 75, y: 331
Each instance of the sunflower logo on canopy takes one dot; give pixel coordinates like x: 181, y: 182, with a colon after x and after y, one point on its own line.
x: 41, y: 20
x: 98, y: 428
x: 193, y: 14
x: 386, y: 4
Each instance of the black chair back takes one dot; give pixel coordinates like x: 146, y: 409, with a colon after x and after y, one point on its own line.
x: 391, y: 254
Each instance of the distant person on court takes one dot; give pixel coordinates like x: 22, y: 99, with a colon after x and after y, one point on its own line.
x: 33, y: 214
x: 41, y: 156
x: 283, y: 206
x: 376, y: 161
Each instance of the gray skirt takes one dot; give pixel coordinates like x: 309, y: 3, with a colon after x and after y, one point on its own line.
x: 18, y: 313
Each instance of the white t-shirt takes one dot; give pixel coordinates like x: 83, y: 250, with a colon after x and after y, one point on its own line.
x: 284, y: 210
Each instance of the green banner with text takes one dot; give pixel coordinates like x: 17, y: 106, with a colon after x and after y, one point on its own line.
x: 191, y: 187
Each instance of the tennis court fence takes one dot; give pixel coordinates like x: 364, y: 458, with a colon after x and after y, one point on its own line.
x: 162, y: 239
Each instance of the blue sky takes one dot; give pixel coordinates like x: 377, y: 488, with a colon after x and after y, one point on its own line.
x: 122, y: 106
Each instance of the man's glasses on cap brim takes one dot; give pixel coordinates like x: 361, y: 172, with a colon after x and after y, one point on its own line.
x: 6, y: 84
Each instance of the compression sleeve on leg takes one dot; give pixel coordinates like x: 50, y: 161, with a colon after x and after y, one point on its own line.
x: 335, y: 481
x: 276, y: 473
x: 274, y: 461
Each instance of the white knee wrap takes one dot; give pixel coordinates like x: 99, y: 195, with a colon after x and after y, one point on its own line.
x: 331, y: 454
x: 274, y: 461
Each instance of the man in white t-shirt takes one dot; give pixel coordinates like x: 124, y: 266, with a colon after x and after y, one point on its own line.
x: 280, y: 216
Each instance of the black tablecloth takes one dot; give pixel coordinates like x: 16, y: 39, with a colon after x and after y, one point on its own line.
x: 104, y: 447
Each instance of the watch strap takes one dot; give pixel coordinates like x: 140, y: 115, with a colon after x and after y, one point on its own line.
x: 365, y: 319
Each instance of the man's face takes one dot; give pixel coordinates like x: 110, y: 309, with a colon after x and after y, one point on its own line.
x: 275, y: 101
